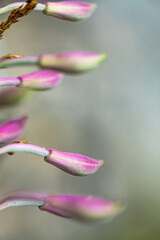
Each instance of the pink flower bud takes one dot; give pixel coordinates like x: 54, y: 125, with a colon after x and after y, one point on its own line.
x: 71, y: 62
x: 12, y: 129
x: 13, y: 95
x: 40, y: 80
x: 83, y: 208
x: 73, y: 163
x: 70, y: 10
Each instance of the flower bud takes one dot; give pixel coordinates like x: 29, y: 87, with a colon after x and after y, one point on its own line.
x: 13, y: 95
x: 71, y: 62
x: 40, y: 80
x: 70, y: 10
x: 82, y: 208
x: 12, y: 129
x: 73, y: 163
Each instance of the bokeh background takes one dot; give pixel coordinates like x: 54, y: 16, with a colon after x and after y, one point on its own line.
x: 111, y: 113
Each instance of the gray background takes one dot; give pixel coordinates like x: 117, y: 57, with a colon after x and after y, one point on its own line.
x: 111, y: 113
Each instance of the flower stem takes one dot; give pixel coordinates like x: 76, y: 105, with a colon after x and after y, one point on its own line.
x: 12, y: 6
x: 21, y: 198
x: 9, y: 82
x: 22, y: 147
x: 29, y: 60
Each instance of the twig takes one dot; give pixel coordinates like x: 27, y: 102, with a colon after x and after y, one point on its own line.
x: 16, y: 14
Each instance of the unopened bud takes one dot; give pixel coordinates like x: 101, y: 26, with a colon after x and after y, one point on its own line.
x: 70, y: 10
x: 82, y: 208
x: 72, y: 62
x: 73, y: 163
x: 40, y: 80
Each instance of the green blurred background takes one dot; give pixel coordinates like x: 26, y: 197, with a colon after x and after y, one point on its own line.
x: 111, y: 113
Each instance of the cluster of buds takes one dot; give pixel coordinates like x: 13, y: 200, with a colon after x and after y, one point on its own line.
x: 53, y: 68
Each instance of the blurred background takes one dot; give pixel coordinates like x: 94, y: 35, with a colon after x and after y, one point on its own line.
x: 111, y: 113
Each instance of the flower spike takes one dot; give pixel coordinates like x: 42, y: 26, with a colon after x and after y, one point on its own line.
x: 88, y: 209
x: 72, y: 163
x: 12, y: 129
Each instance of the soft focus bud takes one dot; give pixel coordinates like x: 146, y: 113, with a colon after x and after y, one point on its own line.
x: 13, y: 95
x: 40, y: 80
x: 70, y: 10
x: 72, y: 62
x: 12, y: 129
x: 82, y: 208
x: 73, y: 163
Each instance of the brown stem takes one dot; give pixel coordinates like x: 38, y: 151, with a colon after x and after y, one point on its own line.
x: 16, y: 14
